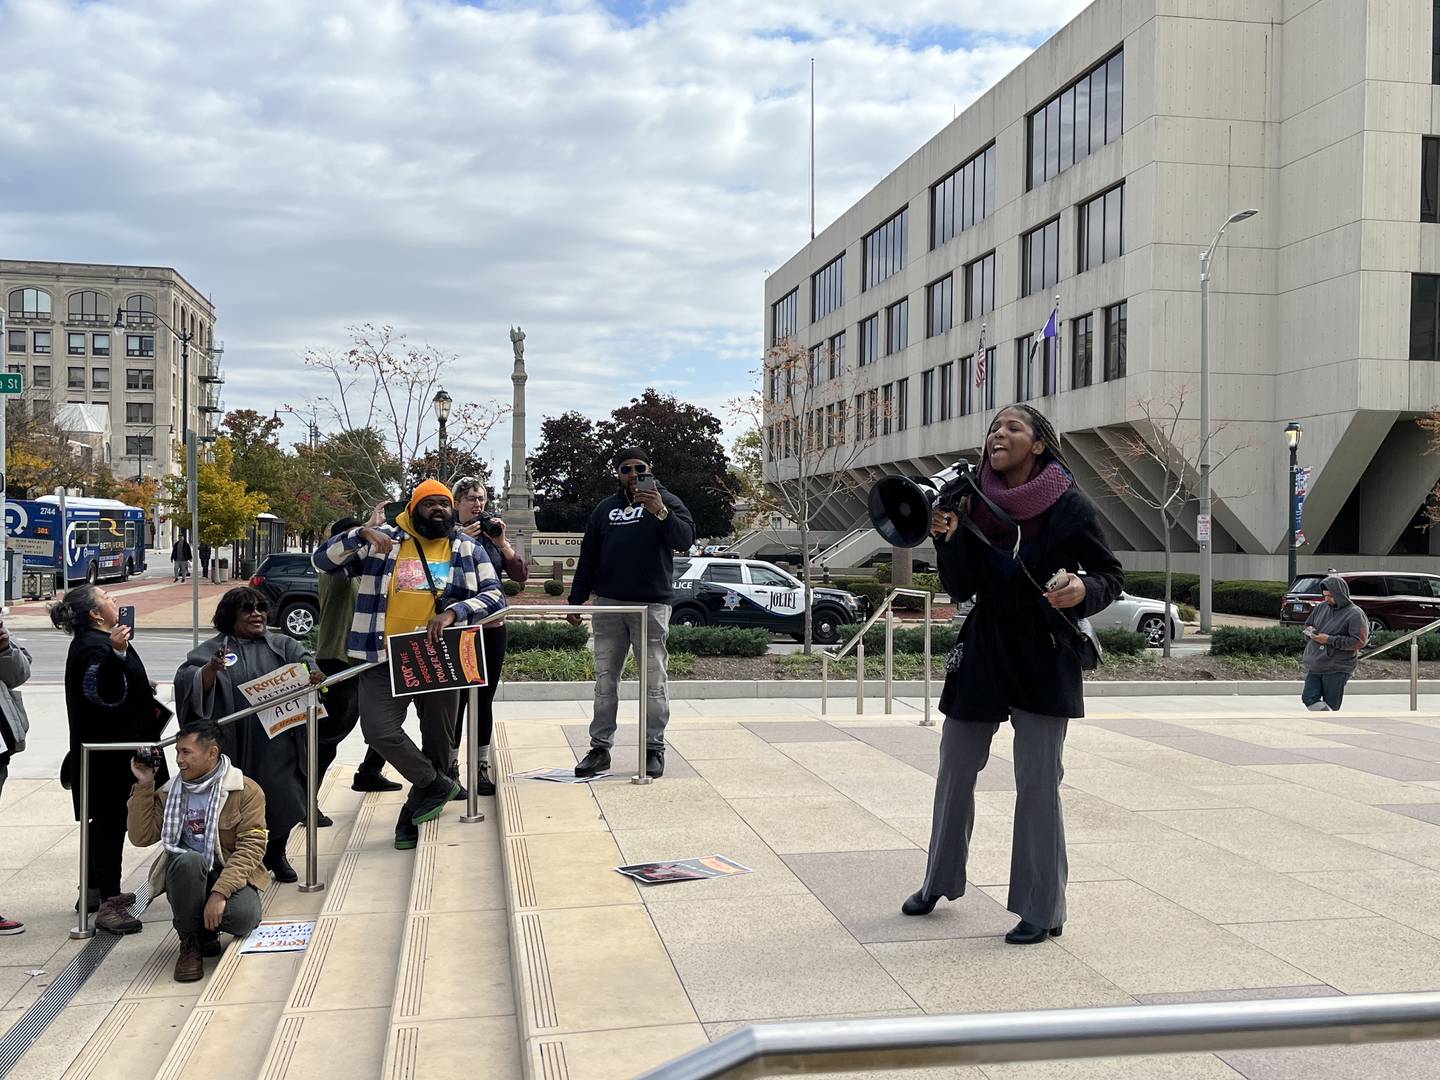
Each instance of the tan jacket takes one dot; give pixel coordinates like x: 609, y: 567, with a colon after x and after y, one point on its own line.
x: 242, y: 832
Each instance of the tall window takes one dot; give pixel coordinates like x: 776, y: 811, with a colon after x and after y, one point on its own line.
x: 74, y: 344
x: 784, y: 316
x: 902, y: 404
x: 41, y: 341
x: 100, y: 344
x: 1435, y: 45
x: 837, y: 355
x: 41, y: 373
x: 1036, y: 374
x: 1101, y: 237
x: 884, y: 250
x: 100, y: 378
x: 75, y: 378
x: 29, y: 304
x: 139, y: 379
x: 139, y: 310
x: 818, y: 367
x: 869, y: 340
x: 927, y: 397
x: 887, y: 408
x: 977, y: 389
x: 1430, y: 178
x: 144, y: 445
x: 1424, y: 317
x: 897, y: 326
x: 940, y: 306
x: 947, y: 391
x: 1082, y: 351
x: 1024, y: 376
x: 1078, y: 121
x: 827, y: 288
x: 1041, y: 255
x: 980, y: 287
x: 139, y: 345
x: 1115, y: 317
x: 139, y: 412
x: 16, y: 340
x: 859, y: 418
x: 964, y: 197
x: 88, y: 306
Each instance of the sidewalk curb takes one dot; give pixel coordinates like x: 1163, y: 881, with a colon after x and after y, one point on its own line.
x: 701, y: 689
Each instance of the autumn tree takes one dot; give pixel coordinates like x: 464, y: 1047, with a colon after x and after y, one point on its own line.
x: 226, y: 507
x: 259, y: 462
x: 39, y: 457
x: 458, y: 463
x: 569, y: 472
x: 359, y: 459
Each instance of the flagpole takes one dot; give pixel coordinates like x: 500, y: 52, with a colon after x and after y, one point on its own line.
x: 1058, y: 337
x: 812, y: 148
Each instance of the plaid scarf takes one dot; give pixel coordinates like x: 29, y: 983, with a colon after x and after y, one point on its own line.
x: 180, y: 792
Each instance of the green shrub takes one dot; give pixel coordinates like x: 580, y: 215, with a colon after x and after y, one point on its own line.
x: 1184, y: 588
x: 883, y: 572
x: 522, y: 635
x: 1256, y: 641
x: 567, y: 665
x: 719, y: 640
x: 906, y: 666
x: 553, y: 587
x: 512, y: 588
x: 1117, y: 642
x: 1429, y: 645
x: 1188, y: 613
x: 872, y: 592
x: 908, y: 639
x: 1260, y: 598
x: 929, y: 581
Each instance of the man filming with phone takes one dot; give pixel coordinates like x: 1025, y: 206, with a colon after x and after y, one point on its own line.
x: 628, y: 557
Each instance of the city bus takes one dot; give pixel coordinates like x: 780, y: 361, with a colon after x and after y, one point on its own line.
x: 104, y: 538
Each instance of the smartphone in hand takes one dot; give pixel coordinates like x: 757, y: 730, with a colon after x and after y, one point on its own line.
x: 127, y: 618
x: 645, y: 483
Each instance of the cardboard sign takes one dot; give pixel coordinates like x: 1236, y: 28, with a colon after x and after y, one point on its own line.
x: 421, y: 666
x: 279, y: 935
x: 275, y: 684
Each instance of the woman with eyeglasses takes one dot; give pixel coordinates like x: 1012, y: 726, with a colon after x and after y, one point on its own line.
x: 470, y: 501
x: 207, y: 687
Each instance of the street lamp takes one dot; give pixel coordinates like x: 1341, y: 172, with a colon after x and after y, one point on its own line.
x: 1292, y: 440
x: 191, y: 491
x: 442, y: 413
x: 1204, y: 524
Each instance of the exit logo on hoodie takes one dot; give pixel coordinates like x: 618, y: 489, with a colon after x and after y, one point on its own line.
x: 628, y: 515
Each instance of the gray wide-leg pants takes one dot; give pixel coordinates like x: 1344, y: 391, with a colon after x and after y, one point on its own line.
x: 1038, y: 867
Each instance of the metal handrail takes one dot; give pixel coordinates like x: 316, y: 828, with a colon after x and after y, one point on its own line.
x: 989, y: 1038
x: 1401, y: 640
x: 857, y: 643
x: 1414, y: 639
x: 312, y: 755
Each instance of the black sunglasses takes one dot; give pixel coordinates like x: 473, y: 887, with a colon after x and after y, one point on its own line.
x: 249, y: 606
x: 638, y: 470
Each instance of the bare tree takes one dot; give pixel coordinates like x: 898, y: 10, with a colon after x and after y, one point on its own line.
x: 813, y: 432
x: 383, y: 384
x: 1156, y: 444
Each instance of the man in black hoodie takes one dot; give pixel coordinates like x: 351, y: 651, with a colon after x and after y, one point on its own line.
x: 1335, y: 633
x: 628, y: 557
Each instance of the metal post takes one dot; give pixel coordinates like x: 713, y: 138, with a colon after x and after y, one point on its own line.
x: 472, y: 750
x: 889, y: 660
x: 860, y: 677
x: 1294, y: 509
x: 312, y: 881
x: 643, y: 694
x: 1205, y: 515
x: 192, y: 482
x: 927, y: 721
x: 4, y: 480
x: 824, y: 683
x: 83, y: 928
x: 1414, y: 674
x: 440, y: 465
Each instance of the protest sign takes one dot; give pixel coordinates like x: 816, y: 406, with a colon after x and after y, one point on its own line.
x: 419, y: 665
x: 276, y: 684
x: 558, y: 776
x: 279, y: 935
x: 699, y: 869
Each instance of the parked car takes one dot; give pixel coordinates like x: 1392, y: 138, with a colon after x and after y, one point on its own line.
x: 1127, y: 612
x: 1390, y: 601
x: 720, y: 591
x: 292, y: 585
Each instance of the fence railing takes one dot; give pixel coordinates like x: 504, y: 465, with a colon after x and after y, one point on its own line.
x: 857, y: 643
x: 1414, y: 639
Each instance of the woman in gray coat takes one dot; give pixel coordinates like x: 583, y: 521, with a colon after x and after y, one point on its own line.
x: 14, y: 670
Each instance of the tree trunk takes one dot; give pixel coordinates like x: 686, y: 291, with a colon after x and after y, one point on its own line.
x: 805, y: 572
x: 1165, y: 531
x: 902, y: 568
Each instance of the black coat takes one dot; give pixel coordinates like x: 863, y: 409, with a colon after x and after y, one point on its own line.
x: 1010, y: 657
x: 107, y: 699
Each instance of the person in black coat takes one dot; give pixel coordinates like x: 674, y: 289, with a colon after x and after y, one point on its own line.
x: 1015, y: 659
x: 108, y: 698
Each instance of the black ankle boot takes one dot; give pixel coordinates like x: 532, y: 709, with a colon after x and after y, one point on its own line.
x: 919, y: 904
x: 1027, y: 933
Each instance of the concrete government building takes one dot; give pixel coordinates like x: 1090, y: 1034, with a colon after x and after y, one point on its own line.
x: 1098, y: 171
x: 60, y: 333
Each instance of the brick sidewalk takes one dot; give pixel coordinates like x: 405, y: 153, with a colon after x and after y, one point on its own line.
x: 159, y: 605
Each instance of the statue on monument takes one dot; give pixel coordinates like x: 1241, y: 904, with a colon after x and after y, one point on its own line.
x: 507, y: 479
x: 517, y: 342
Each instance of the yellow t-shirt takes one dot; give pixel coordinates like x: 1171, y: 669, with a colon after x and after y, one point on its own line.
x: 411, y: 604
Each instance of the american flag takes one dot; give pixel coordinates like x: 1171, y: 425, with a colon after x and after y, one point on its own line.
x: 980, y: 360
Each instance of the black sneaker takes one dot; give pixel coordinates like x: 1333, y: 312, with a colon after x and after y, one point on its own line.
x: 280, y: 866
x: 596, y: 761
x: 322, y: 821
x: 484, y: 785
x: 461, y: 795
x: 407, y: 833
x: 429, y: 804
x: 365, y: 780
x: 655, y: 762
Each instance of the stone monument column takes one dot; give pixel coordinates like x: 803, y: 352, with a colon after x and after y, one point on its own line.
x: 519, y: 509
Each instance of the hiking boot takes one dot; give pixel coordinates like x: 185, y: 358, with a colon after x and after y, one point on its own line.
x: 368, y: 780
x: 210, y: 943
x: 407, y: 833
x: 189, y: 965
x: 279, y: 865
x: 655, y: 762
x: 10, y: 926
x: 429, y: 803
x: 114, y: 916
x: 596, y: 761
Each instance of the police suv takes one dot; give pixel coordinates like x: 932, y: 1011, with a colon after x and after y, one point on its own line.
x: 743, y: 592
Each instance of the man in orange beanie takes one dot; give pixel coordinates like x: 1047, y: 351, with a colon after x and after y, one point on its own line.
x: 421, y: 573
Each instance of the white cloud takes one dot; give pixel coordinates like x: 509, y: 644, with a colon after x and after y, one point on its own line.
x: 616, y: 180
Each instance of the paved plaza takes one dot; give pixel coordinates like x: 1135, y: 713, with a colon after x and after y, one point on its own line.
x: 1220, y: 848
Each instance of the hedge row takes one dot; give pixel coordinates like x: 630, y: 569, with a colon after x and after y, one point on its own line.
x: 1117, y: 642
x: 1260, y: 598
x: 522, y: 635
x: 911, y: 640
x: 1289, y: 641
x: 719, y: 640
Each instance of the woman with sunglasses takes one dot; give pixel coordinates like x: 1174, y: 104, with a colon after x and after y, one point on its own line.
x: 488, y: 530
x: 207, y: 687
x: 1017, y: 659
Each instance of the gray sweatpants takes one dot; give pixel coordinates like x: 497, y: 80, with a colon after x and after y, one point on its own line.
x: 615, y: 637
x: 1038, y: 867
x: 188, y: 883
x: 382, y: 719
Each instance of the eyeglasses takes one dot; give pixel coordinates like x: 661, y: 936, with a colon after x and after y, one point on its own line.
x: 248, y: 607
x: 638, y: 470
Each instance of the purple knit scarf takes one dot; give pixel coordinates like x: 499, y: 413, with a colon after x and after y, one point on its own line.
x: 1026, y: 503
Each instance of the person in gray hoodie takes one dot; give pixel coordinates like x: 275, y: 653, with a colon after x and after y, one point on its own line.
x: 1336, y: 631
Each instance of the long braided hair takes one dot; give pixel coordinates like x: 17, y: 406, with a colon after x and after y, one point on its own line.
x: 1042, y: 428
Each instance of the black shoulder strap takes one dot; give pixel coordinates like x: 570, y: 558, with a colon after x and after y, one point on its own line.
x: 429, y: 577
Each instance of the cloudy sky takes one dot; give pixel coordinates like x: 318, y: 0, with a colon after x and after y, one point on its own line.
x: 617, y: 177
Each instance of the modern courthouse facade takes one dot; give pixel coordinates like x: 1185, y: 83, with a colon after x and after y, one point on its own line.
x: 61, y: 333
x: 1098, y: 171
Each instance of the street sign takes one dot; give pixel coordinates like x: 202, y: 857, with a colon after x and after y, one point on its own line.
x: 12, y: 382
x: 1202, y: 528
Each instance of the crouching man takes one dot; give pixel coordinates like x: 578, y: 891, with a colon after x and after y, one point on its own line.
x: 211, y: 820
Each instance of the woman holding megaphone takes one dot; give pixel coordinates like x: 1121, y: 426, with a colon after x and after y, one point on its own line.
x: 1014, y: 545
